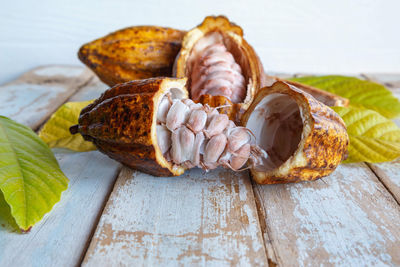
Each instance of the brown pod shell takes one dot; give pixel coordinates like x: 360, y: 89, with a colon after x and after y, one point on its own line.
x: 122, y: 123
x: 132, y: 53
x: 242, y: 52
x: 305, y: 140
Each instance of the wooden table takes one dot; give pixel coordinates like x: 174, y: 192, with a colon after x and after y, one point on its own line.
x: 112, y: 215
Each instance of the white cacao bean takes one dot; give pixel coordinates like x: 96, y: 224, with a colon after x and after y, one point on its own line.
x: 163, y: 138
x: 177, y: 115
x: 237, y: 138
x: 176, y: 152
x: 214, y: 148
x: 217, y: 125
x: 240, y: 158
x: 163, y: 108
x: 187, y: 143
x: 197, y: 120
x: 198, y: 144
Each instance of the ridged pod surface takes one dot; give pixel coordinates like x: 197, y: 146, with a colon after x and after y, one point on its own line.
x: 132, y: 53
x: 305, y: 139
x: 122, y: 123
x: 220, y: 65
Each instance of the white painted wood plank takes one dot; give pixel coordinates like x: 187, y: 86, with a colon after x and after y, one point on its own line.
x: 34, y: 96
x: 389, y: 174
x: 346, y: 219
x: 196, y: 219
x: 61, y: 238
x: 91, y: 91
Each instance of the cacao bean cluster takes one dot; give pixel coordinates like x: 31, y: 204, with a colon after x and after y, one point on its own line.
x: 192, y: 135
x: 215, y: 71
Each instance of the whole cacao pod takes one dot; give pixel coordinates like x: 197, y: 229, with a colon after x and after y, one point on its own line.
x: 132, y: 53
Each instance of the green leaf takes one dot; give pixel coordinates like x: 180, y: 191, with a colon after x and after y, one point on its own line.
x: 56, y: 133
x: 362, y: 94
x: 6, y: 220
x: 30, y: 177
x: 373, y: 138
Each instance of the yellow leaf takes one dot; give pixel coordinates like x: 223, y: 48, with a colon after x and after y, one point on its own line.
x: 56, y: 130
x: 373, y: 138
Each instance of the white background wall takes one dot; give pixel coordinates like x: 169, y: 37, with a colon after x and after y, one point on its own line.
x: 341, y: 36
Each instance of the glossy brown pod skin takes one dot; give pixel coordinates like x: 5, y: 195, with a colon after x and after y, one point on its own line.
x: 122, y: 124
x: 323, y: 143
x: 242, y: 52
x: 132, y: 53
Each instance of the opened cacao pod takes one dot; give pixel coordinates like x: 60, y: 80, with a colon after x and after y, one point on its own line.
x: 304, y: 139
x: 122, y: 123
x: 152, y: 126
x: 221, y: 67
x: 133, y: 53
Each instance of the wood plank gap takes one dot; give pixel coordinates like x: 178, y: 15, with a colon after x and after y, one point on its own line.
x: 100, y: 213
x: 269, y: 249
x: 383, y: 183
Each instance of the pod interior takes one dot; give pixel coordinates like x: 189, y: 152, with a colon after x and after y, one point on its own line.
x: 277, y: 124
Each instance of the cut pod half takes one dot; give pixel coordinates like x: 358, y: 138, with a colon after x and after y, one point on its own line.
x: 304, y: 139
x: 222, y: 68
x: 122, y: 123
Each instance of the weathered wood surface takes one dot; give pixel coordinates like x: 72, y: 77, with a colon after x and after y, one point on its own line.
x: 350, y: 218
x: 92, y: 90
x: 195, y: 219
x: 34, y: 96
x: 345, y: 219
x: 61, y: 238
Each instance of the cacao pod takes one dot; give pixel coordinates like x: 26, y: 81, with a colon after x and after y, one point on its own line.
x: 304, y: 139
x: 221, y: 67
x: 132, y: 53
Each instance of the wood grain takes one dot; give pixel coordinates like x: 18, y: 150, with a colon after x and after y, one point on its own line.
x: 345, y: 219
x: 388, y: 172
x: 194, y: 219
x: 61, y: 238
x: 35, y: 95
